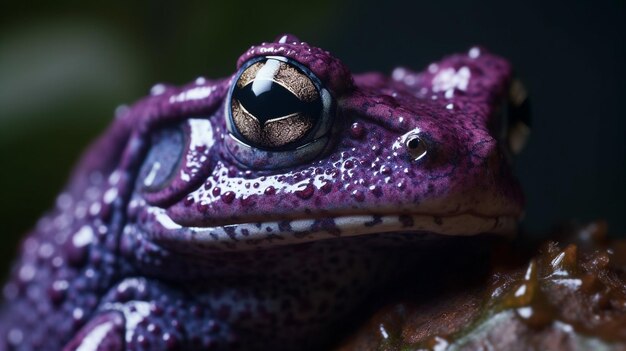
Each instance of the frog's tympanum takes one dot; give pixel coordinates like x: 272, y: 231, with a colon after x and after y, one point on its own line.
x: 259, y: 210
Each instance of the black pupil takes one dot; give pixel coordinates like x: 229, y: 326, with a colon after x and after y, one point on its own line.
x: 266, y: 100
x: 413, y: 143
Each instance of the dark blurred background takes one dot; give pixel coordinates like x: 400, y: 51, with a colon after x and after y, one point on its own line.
x: 66, y: 65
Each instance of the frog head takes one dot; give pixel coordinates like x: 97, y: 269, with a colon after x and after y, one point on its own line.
x: 294, y: 148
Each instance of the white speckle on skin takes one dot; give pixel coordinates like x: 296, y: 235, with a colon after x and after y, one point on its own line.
x: 474, y: 52
x: 64, y: 201
x: 110, y: 195
x: 398, y: 74
x: 450, y: 78
x: 78, y: 313
x: 83, y: 237
x: 15, y: 336
x: 157, y: 89
x: 27, y: 272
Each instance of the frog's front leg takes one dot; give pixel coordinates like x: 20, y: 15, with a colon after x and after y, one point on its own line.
x: 144, y: 314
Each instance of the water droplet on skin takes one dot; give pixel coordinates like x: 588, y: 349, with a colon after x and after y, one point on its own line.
x: 170, y: 341
x: 270, y: 190
x: 358, y: 195
x: 202, y: 207
x: 76, y: 248
x: 357, y: 131
x: 216, y: 191
x: 58, y: 291
x: 188, y: 201
x: 376, y: 190
x: 228, y: 197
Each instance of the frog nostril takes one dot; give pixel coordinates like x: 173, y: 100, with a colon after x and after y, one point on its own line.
x: 415, y: 146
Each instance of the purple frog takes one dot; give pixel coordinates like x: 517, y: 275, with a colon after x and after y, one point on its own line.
x: 259, y: 210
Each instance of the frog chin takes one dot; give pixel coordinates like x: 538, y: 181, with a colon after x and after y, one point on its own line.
x: 258, y: 235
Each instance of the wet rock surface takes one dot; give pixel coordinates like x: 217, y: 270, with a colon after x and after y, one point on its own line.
x: 564, y: 293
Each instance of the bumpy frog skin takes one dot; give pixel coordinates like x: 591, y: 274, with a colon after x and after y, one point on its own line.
x: 174, y: 234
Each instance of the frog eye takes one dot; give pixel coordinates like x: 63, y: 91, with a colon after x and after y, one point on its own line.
x: 415, y: 146
x: 277, y: 106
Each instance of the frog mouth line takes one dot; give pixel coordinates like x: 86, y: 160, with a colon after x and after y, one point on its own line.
x: 248, y: 236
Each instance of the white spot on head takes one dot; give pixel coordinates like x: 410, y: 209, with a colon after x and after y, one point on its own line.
x: 60, y: 285
x: 474, y: 52
x: 46, y: 250
x: 83, y: 237
x: 120, y: 110
x: 449, y: 106
x: 157, y: 89
x: 110, y: 195
x: 57, y: 261
x: 15, y: 336
x: 398, y: 74
x: 64, y: 201
x: 27, y: 272
x: 200, y: 81
x: 78, y: 313
x: 115, y: 177
x: 94, y: 209
x: 410, y: 80
x: 450, y: 78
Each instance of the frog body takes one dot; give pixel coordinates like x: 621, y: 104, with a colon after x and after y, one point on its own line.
x: 206, y: 217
